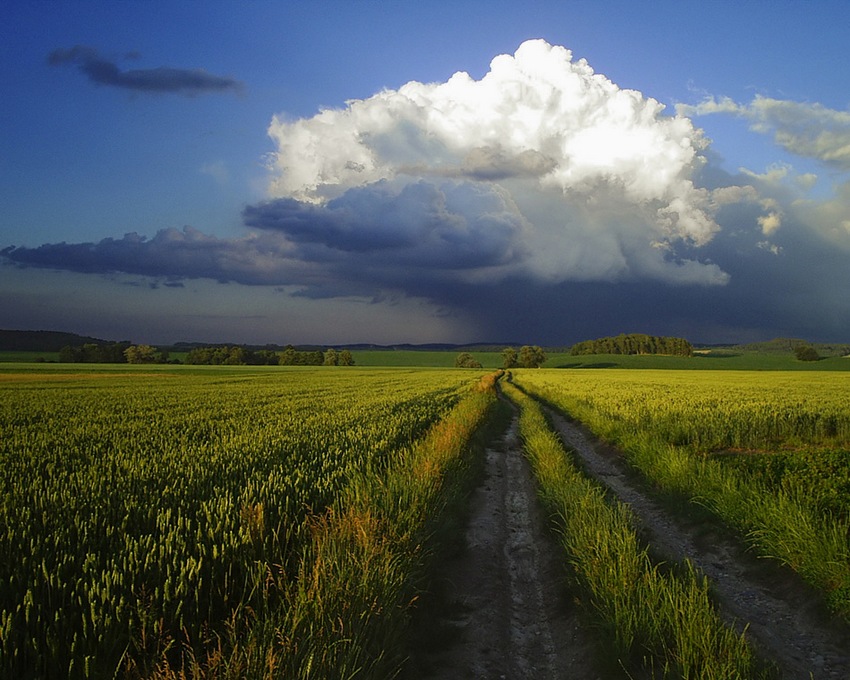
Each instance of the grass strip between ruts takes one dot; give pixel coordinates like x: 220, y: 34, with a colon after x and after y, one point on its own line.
x: 660, y: 620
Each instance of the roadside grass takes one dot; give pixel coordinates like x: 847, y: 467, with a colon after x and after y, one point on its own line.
x: 783, y: 524
x: 657, y: 620
x: 786, y: 522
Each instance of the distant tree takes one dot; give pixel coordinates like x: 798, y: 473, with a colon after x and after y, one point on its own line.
x: 466, y: 360
x: 635, y: 343
x: 69, y: 355
x: 331, y: 357
x: 95, y: 353
x: 509, y: 358
x: 141, y: 354
x: 314, y: 358
x: 806, y: 353
x: 531, y: 356
x: 345, y: 358
x: 234, y: 356
x: 218, y: 356
x: 199, y: 356
x: 287, y: 358
x: 264, y: 357
x: 292, y: 357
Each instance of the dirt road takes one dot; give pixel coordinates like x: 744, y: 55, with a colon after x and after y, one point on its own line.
x: 506, y: 612
x: 505, y: 608
x: 784, y: 618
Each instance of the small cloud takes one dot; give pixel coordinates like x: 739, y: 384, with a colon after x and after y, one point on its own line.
x: 772, y: 176
x: 708, y: 106
x: 770, y: 223
x: 188, y: 82
x: 808, y: 130
x: 769, y: 247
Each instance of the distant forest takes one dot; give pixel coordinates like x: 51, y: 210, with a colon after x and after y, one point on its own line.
x: 635, y: 343
x: 224, y: 355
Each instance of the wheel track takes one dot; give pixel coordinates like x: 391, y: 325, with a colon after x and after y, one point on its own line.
x: 783, y: 617
x: 504, y: 601
x: 504, y: 605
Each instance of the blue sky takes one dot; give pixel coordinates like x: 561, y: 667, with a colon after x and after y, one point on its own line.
x: 316, y: 172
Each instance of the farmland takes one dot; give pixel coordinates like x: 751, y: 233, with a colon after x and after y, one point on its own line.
x: 146, y: 510
x: 242, y: 521
x: 710, y: 440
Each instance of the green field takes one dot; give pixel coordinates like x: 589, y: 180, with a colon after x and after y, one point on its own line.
x: 707, y: 360
x: 767, y: 452
x: 148, y: 510
x: 218, y: 521
x: 713, y: 360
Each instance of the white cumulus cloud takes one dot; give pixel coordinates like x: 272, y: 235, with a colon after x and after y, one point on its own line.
x: 599, y: 179
x: 805, y: 129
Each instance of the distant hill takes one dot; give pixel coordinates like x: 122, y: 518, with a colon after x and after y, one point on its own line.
x: 53, y: 341
x: 42, y: 341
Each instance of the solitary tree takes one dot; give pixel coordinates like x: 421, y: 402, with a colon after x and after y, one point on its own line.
x: 345, y: 358
x: 531, y: 356
x: 509, y: 357
x: 806, y: 353
x: 140, y: 354
x: 466, y: 360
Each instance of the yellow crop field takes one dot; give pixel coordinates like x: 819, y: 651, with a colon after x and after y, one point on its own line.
x: 712, y: 410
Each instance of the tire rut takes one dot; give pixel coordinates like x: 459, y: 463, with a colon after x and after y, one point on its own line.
x: 783, y: 617
x: 504, y: 609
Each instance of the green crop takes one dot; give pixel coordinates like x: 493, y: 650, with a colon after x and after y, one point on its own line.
x: 704, y: 435
x: 141, y: 508
x: 653, y: 620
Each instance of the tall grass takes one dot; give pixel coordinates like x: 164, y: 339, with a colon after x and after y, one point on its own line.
x: 657, y: 620
x: 666, y: 426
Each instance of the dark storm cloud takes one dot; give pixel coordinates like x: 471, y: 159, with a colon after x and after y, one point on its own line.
x: 172, y: 254
x: 449, y: 226
x: 99, y: 70
x: 795, y: 289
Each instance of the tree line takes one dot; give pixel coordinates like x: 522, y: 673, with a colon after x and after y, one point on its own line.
x: 634, y: 343
x: 95, y: 353
x: 222, y: 355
